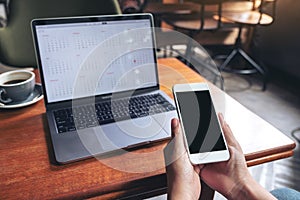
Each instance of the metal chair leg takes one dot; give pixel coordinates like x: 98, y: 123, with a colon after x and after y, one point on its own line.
x: 252, y: 62
x: 256, y: 68
x: 238, y: 50
x: 228, y: 60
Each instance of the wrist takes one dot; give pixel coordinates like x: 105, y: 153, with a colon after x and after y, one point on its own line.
x: 240, y: 188
x: 248, y: 188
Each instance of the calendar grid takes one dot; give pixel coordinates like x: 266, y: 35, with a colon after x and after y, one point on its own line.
x: 93, y: 59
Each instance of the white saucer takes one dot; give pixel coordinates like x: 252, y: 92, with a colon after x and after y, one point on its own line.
x: 36, y: 95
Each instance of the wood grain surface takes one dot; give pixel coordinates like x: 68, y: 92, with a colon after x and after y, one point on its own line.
x: 28, y: 169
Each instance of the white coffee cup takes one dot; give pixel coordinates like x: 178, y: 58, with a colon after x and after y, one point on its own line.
x: 16, y: 86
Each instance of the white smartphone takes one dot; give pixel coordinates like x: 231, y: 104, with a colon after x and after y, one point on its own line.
x: 204, y: 138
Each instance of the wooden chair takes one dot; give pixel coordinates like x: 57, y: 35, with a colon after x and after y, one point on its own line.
x: 245, y: 17
x: 201, y: 19
x: 189, y: 17
x: 167, y: 38
x: 192, y: 17
x: 16, y: 45
x: 160, y: 9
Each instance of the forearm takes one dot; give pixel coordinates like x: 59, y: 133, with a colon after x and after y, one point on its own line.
x: 174, y: 194
x: 250, y: 190
x: 178, y: 189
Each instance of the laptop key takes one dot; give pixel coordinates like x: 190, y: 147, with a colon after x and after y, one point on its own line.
x: 72, y: 128
x: 81, y: 126
x: 62, y: 130
x: 107, y: 121
x: 92, y: 124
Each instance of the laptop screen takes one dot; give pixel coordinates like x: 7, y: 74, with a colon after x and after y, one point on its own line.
x: 83, y: 57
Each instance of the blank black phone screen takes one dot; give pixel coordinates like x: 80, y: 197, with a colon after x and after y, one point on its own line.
x: 199, y: 121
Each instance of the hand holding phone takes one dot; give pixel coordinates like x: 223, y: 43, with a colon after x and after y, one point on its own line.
x: 204, y: 138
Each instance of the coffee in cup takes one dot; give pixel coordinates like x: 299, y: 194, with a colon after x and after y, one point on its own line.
x: 16, y: 86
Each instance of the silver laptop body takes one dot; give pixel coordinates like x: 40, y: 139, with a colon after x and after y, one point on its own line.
x: 88, y: 64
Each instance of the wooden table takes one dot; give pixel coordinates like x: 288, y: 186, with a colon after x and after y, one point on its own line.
x: 26, y: 159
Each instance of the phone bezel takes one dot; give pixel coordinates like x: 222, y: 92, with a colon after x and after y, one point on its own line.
x: 199, y: 158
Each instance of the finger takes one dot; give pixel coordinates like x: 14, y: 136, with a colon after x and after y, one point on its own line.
x: 178, y: 137
x: 174, y: 127
x: 198, y: 168
x: 226, y: 130
x: 201, y: 166
x: 229, y: 137
x: 221, y: 118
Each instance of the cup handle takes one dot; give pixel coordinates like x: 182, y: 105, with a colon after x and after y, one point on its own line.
x: 8, y: 100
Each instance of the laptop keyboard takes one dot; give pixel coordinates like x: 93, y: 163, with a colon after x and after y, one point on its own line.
x: 71, y: 119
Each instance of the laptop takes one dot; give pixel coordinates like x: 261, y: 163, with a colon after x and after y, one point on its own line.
x: 100, y: 83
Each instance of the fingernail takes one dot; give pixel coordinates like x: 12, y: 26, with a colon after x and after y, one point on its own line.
x: 174, y: 124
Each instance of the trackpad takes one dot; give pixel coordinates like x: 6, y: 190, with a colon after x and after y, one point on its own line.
x: 164, y: 120
x: 130, y: 132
